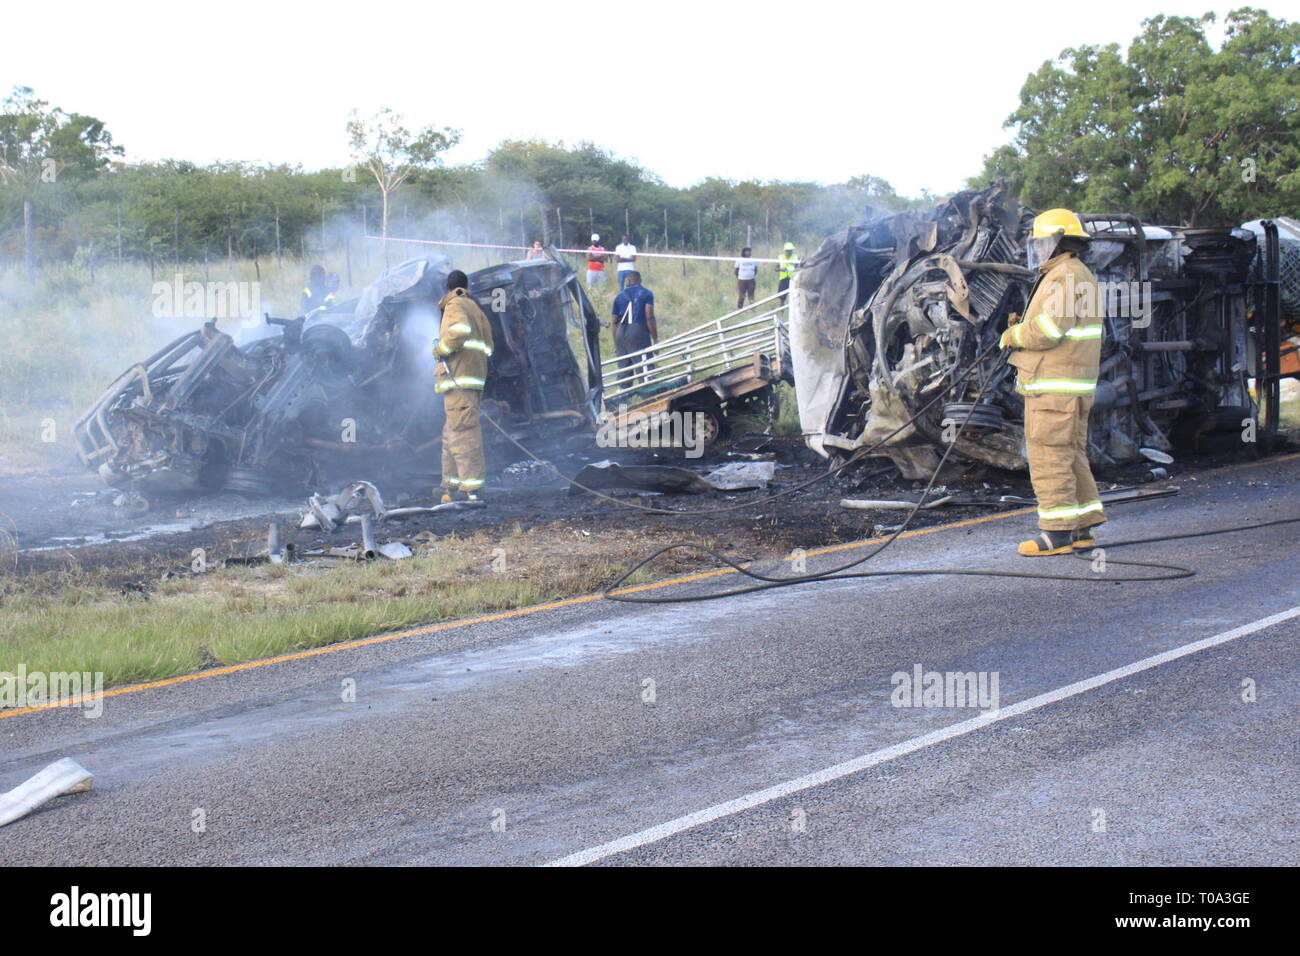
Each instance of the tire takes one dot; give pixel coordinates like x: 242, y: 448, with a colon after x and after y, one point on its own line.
x: 712, y: 424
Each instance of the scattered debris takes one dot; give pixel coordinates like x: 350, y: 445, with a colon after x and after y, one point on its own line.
x: 321, y: 514
x: 312, y: 518
x: 742, y: 475
x: 1114, y: 496
x: 62, y: 776
x: 273, y: 550
x: 526, y: 472
x: 350, y: 499
x: 130, y: 503
x: 369, y: 550
x: 329, y: 514
x: 395, y: 550
x: 868, y: 504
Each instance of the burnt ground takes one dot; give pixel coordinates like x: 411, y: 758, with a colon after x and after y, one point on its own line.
x: 64, y: 525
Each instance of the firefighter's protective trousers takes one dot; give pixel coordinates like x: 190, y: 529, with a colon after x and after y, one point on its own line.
x: 463, y: 466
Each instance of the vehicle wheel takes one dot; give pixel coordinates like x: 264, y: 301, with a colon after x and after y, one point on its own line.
x: 248, y: 482
x: 711, y: 425
x: 330, y: 346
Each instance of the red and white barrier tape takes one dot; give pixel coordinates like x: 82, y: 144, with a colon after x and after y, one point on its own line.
x: 581, y: 252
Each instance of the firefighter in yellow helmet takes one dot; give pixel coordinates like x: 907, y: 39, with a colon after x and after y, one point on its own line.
x: 1056, y: 349
x: 462, y: 350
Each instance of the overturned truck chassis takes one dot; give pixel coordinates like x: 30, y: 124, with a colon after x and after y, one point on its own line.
x: 890, y: 320
x: 313, y: 401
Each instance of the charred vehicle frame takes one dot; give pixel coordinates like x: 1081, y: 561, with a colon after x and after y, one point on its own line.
x: 311, y: 397
x: 885, y: 314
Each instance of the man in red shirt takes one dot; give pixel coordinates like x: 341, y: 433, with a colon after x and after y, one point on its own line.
x: 596, y: 256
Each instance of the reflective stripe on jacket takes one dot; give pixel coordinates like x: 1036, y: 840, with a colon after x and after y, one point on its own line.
x: 464, y: 343
x: 315, y: 299
x: 1057, y: 346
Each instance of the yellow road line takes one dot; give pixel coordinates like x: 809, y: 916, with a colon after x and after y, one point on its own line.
x: 448, y: 625
x: 517, y: 612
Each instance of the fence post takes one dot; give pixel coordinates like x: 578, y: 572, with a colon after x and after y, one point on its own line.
x: 29, y: 242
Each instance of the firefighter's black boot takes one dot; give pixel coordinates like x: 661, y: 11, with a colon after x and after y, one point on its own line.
x: 1081, y: 539
x: 1047, y: 542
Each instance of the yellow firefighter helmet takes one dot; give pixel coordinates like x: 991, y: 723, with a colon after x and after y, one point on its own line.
x: 1057, y: 222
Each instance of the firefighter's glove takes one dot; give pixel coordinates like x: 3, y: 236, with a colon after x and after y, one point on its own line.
x: 1006, y: 340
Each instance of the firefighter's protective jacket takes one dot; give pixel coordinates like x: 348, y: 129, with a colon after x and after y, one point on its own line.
x: 316, y: 298
x: 464, y: 343
x: 1057, y: 346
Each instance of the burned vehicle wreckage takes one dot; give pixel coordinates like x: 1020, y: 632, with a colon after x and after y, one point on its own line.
x: 312, y: 400
x: 894, y: 327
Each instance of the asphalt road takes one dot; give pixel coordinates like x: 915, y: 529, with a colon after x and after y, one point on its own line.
x: 755, y: 730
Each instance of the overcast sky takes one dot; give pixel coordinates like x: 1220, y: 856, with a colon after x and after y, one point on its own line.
x: 914, y: 92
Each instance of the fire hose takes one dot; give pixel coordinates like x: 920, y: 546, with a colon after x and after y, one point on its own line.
x: 844, y: 571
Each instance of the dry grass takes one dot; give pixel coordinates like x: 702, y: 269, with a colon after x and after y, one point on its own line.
x: 248, y: 613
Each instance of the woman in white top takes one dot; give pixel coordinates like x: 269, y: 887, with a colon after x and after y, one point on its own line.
x: 746, y: 277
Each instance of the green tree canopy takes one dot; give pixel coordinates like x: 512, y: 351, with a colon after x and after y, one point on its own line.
x: 39, y: 143
x: 1175, y: 130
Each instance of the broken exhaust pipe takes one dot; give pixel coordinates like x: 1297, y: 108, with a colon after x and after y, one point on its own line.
x: 369, y: 550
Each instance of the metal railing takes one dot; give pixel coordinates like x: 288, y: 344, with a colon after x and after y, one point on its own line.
x: 718, y: 346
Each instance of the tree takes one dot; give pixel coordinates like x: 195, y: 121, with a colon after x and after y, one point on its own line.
x: 1175, y: 131
x: 387, y: 149
x: 38, y: 145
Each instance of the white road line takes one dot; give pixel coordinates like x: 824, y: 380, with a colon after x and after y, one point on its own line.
x: 817, y: 778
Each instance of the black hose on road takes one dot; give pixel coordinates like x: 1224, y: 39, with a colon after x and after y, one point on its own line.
x: 844, y: 571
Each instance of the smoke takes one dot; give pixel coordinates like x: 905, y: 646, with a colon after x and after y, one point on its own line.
x: 418, y: 332
x: 78, y: 329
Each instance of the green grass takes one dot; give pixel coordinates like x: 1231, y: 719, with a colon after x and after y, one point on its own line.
x: 250, y: 613
x: 1289, y: 412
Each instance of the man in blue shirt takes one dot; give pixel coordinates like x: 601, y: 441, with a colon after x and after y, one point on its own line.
x: 634, y: 321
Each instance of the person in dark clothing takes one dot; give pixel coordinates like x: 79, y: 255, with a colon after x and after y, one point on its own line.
x: 634, y: 322
x: 316, y: 295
